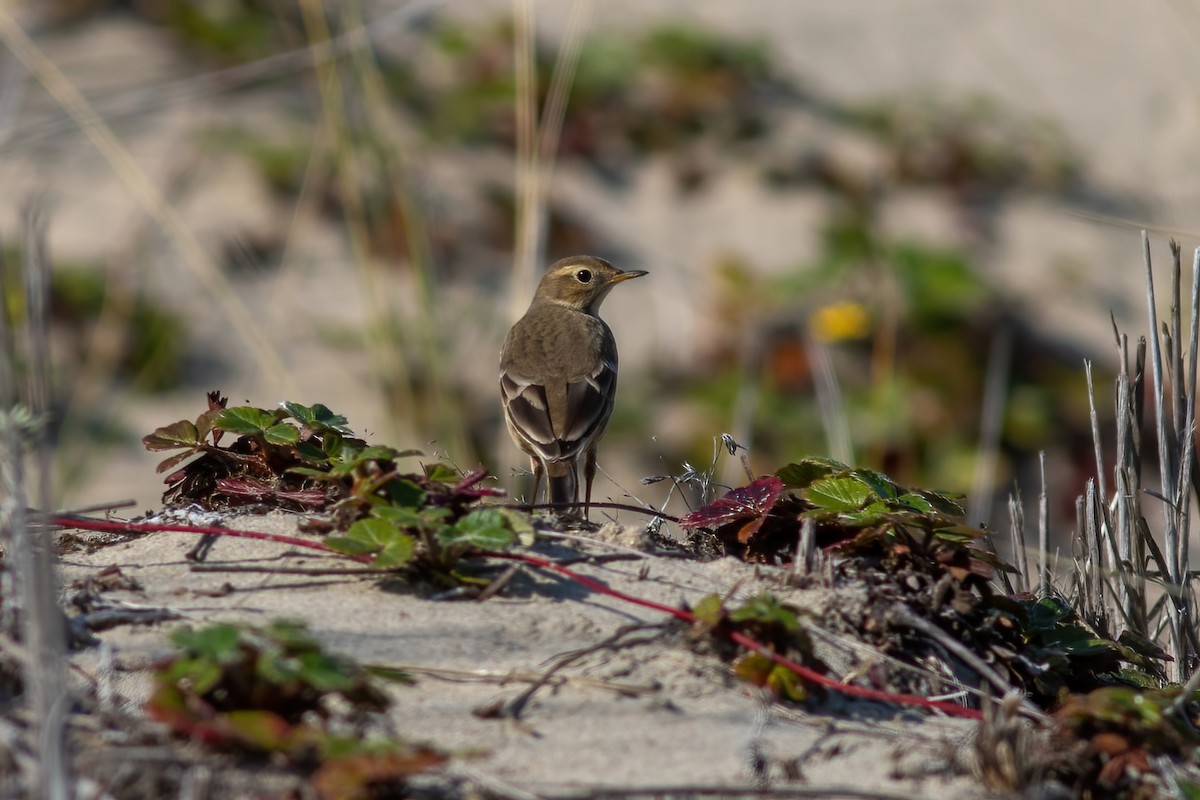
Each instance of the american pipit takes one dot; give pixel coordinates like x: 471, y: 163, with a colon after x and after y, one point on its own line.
x: 558, y: 375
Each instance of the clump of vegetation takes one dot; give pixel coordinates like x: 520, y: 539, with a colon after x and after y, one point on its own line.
x: 919, y: 560
x: 306, y: 458
x: 766, y: 620
x: 275, y: 691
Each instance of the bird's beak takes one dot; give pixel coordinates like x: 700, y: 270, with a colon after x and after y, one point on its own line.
x: 628, y: 275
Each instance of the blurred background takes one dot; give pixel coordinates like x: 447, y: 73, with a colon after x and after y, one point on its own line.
x: 885, y: 232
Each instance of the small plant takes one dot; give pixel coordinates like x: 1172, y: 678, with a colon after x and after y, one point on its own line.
x: 1127, y: 733
x: 275, y: 690
x: 306, y: 458
x: 764, y: 619
x: 855, y: 510
x: 925, y: 570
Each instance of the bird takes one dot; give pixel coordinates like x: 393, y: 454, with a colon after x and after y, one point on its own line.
x: 558, y: 375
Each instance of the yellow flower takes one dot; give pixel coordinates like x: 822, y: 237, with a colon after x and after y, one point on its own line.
x: 840, y: 321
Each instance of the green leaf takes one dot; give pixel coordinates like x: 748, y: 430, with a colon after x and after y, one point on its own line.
x: 282, y: 433
x: 838, y: 494
x: 311, y: 453
x: 798, y: 475
x: 913, y: 502
x: 396, y: 554
x: 787, y: 684
x: 392, y: 547
x: 521, y: 524
x: 244, y: 420
x: 441, y: 473
x: 873, y: 514
x: 957, y: 534
x: 325, y: 673
x: 374, y: 530
x: 177, y: 434
x: 292, y: 634
x: 219, y: 642
x: 380, y: 452
x: 1189, y: 789
x: 205, y: 422
x: 879, y: 483
x: 402, y: 492
x: 400, y: 516
x: 199, y: 675
x: 765, y: 609
x: 334, y: 445
x: 482, y: 529
x: 943, y: 503
x: 318, y: 418
x: 761, y: 671
x: 709, y: 611
x: 348, y: 546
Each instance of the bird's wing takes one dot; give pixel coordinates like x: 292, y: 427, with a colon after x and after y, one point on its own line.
x: 589, y: 404
x: 559, y: 421
x: 528, y: 414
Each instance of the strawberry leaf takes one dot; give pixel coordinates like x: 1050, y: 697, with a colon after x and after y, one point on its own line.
x: 752, y: 503
x: 177, y: 434
x: 838, y: 494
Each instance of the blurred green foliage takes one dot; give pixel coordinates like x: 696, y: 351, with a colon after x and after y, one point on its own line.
x: 149, y: 342
x: 908, y: 323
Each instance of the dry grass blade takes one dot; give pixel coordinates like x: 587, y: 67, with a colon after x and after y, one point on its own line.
x: 1016, y: 518
x: 1187, y: 430
x: 829, y: 401
x: 525, y: 112
x: 1131, y: 569
x: 30, y: 561
x: 991, y: 425
x: 1043, y: 563
x: 1166, y: 457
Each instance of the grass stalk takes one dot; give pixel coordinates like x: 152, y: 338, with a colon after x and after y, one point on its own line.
x: 991, y: 425
x: 1016, y: 527
x: 529, y: 217
x: 1166, y: 458
x: 1043, y: 562
x: 29, y: 558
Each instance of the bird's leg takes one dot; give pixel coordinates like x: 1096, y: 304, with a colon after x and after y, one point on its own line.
x: 535, y: 466
x: 589, y: 473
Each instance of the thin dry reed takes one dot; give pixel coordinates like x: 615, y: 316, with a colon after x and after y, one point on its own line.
x: 29, y: 562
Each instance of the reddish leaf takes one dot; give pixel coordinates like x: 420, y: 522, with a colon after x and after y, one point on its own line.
x: 360, y: 776
x: 751, y: 503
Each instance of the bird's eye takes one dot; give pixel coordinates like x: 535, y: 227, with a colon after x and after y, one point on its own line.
x: 584, y: 276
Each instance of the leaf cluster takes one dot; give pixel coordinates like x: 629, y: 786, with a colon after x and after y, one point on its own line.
x: 914, y: 552
x: 275, y: 690
x: 307, y: 458
x: 1127, y: 730
x: 854, y: 511
x: 767, y: 621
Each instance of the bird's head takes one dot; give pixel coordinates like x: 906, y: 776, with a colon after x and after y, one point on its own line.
x: 581, y: 282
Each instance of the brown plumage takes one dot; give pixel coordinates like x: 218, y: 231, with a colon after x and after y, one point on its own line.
x: 558, y: 375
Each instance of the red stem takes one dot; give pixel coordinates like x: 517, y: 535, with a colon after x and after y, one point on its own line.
x: 945, y: 707
x: 113, y: 526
